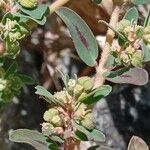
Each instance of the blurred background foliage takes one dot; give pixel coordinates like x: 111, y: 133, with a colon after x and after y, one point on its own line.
x: 124, y: 113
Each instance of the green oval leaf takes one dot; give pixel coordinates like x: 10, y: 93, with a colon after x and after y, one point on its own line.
x: 92, y: 135
x: 135, y: 76
x: 96, y: 95
x: 139, y: 2
x: 81, y: 34
x: 132, y: 15
x: 34, y: 138
x: 46, y: 95
x: 37, y: 13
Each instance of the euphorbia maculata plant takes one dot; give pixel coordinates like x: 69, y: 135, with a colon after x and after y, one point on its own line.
x: 69, y: 120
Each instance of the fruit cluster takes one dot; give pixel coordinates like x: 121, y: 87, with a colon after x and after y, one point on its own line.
x: 60, y: 118
x: 129, y: 52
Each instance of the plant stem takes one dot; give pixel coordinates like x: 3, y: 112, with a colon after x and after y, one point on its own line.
x: 56, y: 5
x: 100, y: 69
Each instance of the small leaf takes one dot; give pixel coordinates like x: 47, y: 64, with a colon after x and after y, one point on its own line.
x: 38, y: 13
x: 64, y: 77
x: 92, y: 135
x: 137, y: 143
x: 112, y: 74
x: 147, y: 19
x: 26, y: 79
x: 80, y: 136
x: 146, y: 52
x: 96, y: 95
x: 135, y: 76
x: 132, y: 14
x: 97, y: 1
x: 34, y: 138
x: 139, y: 2
x: 97, y: 147
x: 41, y: 21
x: 47, y: 95
x: 11, y: 70
x: 81, y: 34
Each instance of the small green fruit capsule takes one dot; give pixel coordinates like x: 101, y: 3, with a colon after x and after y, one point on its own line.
x: 78, y: 90
x: 84, y: 94
x: 81, y: 112
x: 86, y: 83
x: 49, y: 114
x: 137, y: 59
x: 61, y: 96
x: 47, y: 128
x: 57, y: 121
x: 89, y: 121
x: 29, y: 3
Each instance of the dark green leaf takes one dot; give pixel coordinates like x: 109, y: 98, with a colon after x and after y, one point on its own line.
x: 38, y: 13
x: 41, y: 21
x: 139, y: 2
x: 47, y: 95
x: 82, y: 36
x: 34, y: 138
x: 11, y: 70
x: 135, y: 76
x: 26, y: 79
x: 92, y: 135
x: 147, y: 19
x: 112, y: 74
x: 132, y: 14
x: 97, y: 1
x: 146, y: 52
x: 80, y: 136
x: 97, y: 147
x: 96, y: 95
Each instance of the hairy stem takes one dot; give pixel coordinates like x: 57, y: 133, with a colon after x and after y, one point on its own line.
x: 56, y: 5
x: 100, y: 69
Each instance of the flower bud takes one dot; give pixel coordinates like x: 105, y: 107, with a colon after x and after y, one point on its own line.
x: 124, y: 57
x: 49, y: 114
x: 71, y: 85
x: 47, y: 128
x: 89, y: 121
x: 130, y: 50
x: 78, y: 90
x: 86, y: 83
x: 29, y: 3
x: 61, y: 96
x: 57, y: 121
x: 137, y: 59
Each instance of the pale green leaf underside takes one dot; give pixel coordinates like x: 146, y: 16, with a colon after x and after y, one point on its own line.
x: 34, y: 138
x: 138, y: 2
x: 132, y: 14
